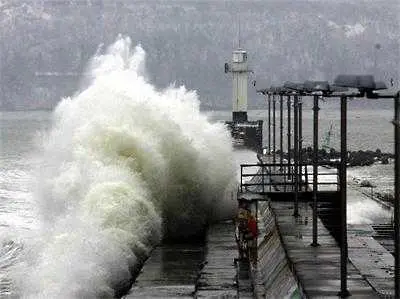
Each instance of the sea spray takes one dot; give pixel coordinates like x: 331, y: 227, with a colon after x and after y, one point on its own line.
x: 123, y: 165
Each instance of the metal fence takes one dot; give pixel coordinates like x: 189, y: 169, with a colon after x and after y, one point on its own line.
x: 280, y: 177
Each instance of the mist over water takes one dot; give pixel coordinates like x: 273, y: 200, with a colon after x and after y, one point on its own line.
x: 123, y: 165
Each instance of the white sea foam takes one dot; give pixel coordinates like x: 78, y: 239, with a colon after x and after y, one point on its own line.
x: 366, y: 212
x: 123, y: 164
x: 361, y: 208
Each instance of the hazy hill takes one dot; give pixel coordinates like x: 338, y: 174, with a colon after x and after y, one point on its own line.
x: 189, y: 41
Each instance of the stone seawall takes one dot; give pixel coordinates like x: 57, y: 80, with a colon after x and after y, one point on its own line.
x: 273, y: 277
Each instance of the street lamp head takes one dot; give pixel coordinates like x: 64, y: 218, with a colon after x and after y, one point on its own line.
x: 355, y: 81
x: 364, y: 83
x: 296, y: 87
x: 280, y: 90
x: 316, y: 87
x: 263, y: 91
x: 387, y: 93
x: 344, y: 92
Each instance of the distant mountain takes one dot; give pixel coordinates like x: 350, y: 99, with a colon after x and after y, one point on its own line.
x: 188, y: 41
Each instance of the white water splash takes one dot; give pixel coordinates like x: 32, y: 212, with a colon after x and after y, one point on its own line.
x: 366, y: 211
x: 123, y: 164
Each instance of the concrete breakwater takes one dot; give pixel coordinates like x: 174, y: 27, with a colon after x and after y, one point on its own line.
x: 272, y: 278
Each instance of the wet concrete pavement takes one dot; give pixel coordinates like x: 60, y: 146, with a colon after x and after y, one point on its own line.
x: 318, y: 268
x: 171, y: 271
x: 195, y: 270
x: 221, y: 277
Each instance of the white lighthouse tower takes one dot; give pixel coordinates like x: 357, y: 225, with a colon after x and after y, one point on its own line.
x: 244, y: 133
x: 239, y: 69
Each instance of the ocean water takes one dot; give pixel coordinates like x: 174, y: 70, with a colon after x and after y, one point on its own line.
x: 87, y: 190
x: 369, y: 124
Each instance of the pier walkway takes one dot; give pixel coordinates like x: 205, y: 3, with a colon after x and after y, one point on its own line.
x: 193, y: 271
x: 221, y: 276
x: 318, y: 268
x: 170, y: 272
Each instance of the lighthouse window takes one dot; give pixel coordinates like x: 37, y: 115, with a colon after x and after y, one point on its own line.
x: 237, y: 57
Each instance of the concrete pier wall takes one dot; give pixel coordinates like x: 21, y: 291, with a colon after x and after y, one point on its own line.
x: 273, y: 277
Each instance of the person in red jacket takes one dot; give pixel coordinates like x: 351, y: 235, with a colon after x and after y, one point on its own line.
x: 252, y: 226
x: 252, y: 239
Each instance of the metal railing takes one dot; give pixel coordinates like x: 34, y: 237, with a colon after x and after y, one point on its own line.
x: 279, y: 177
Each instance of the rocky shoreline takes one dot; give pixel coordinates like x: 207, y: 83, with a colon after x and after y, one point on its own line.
x: 355, y: 158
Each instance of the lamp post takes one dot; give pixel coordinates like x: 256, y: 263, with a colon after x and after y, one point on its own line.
x: 274, y: 127
x: 343, y: 196
x: 300, y: 105
x: 396, y: 123
x: 315, y: 171
x: 281, y: 128
x: 288, y: 137
x: 269, y: 123
x: 364, y: 85
x: 296, y: 155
